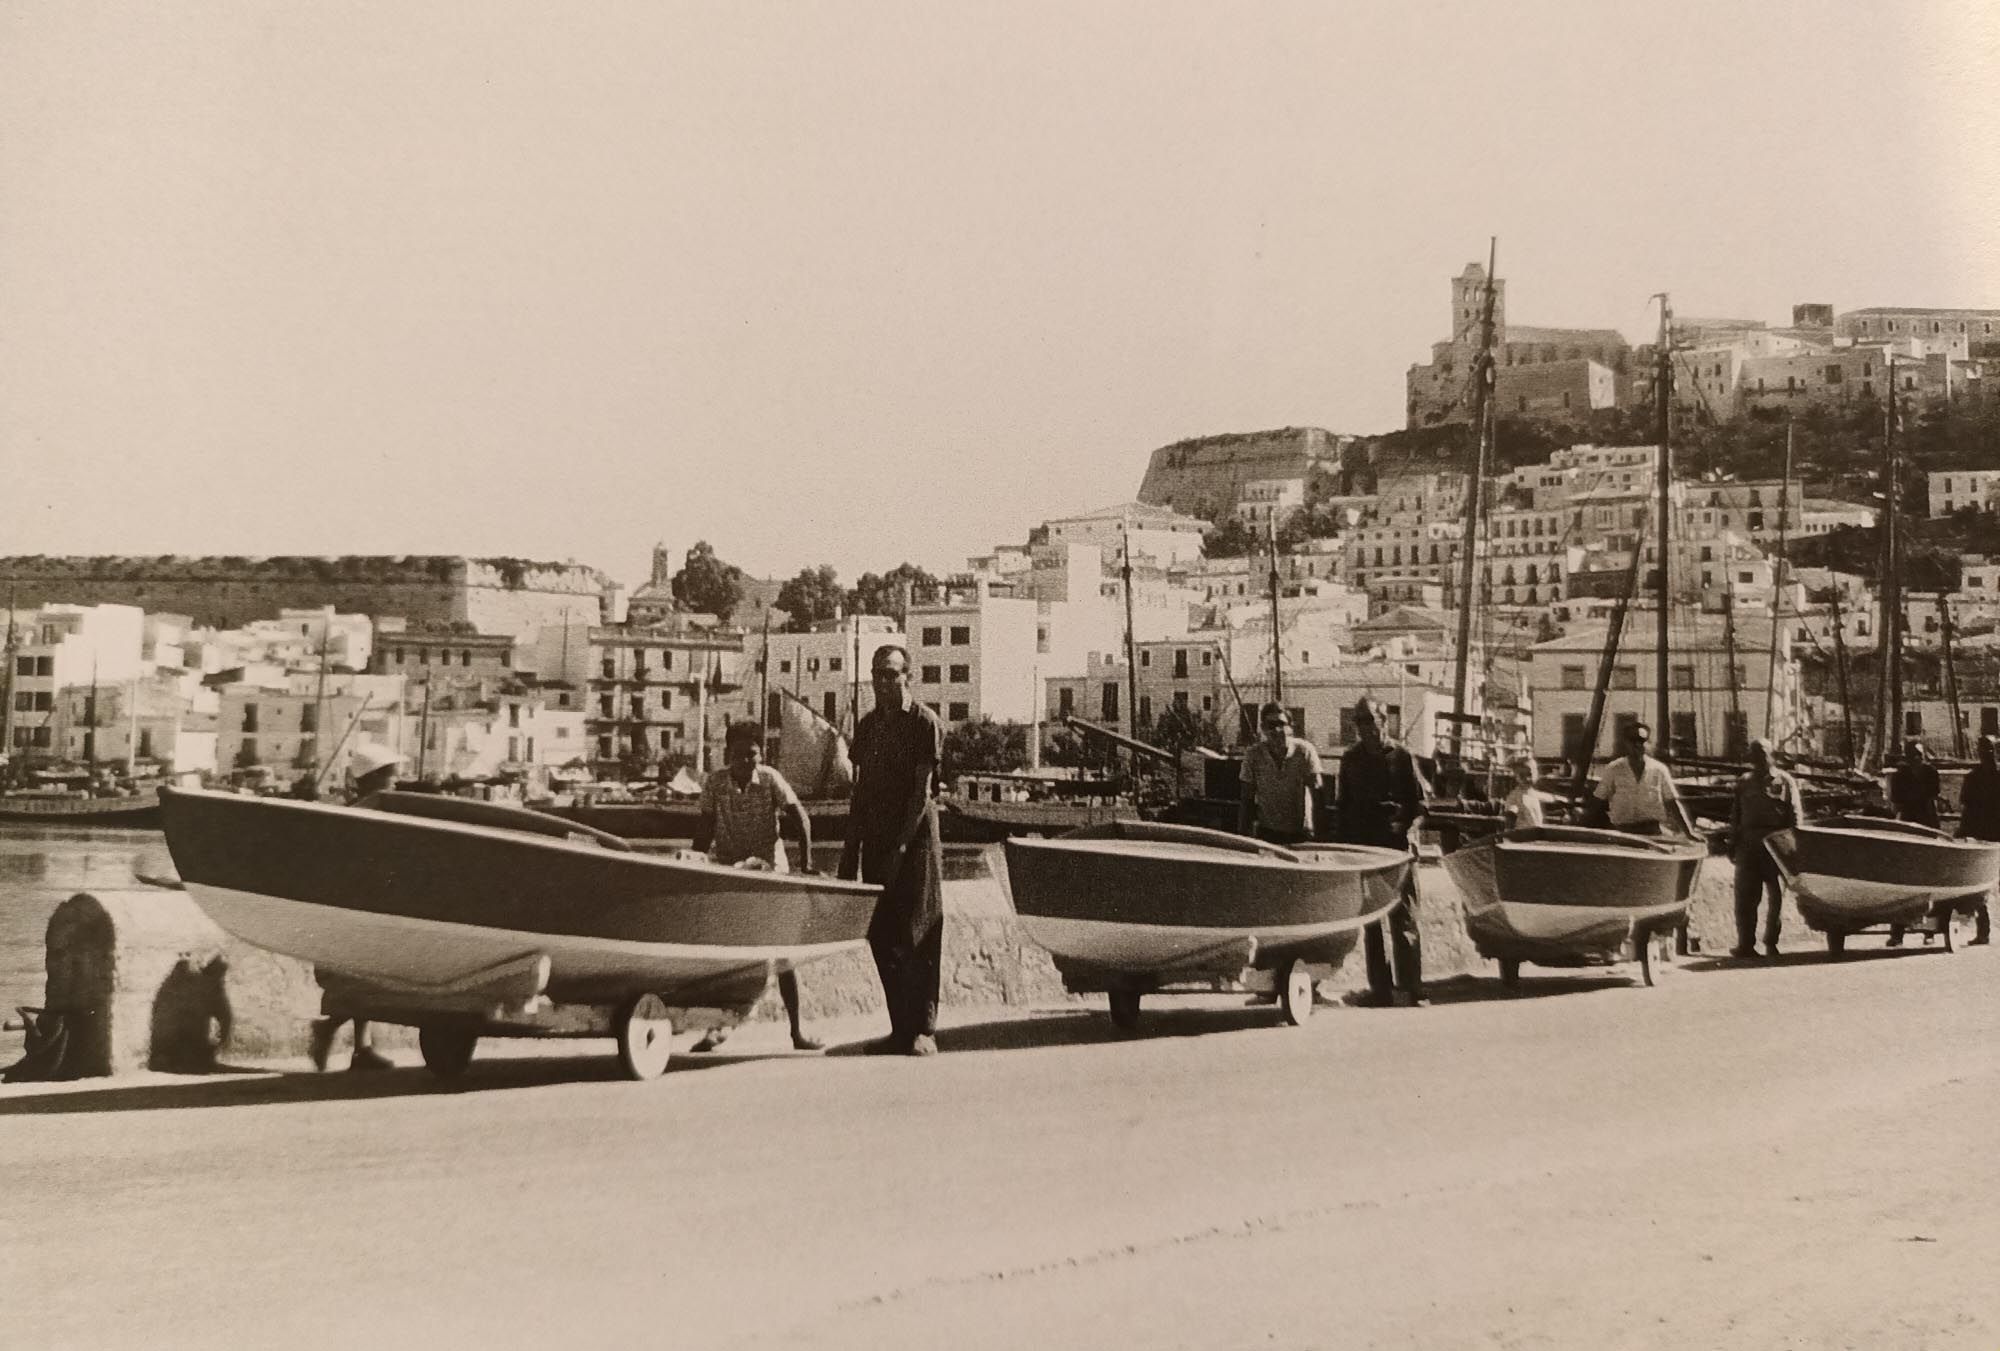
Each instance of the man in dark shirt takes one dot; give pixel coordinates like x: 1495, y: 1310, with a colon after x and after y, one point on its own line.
x: 1979, y: 815
x: 892, y: 842
x: 1914, y: 790
x: 1381, y: 795
x: 1766, y: 801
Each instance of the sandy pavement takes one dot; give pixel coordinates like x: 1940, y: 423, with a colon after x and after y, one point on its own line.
x: 1789, y: 1155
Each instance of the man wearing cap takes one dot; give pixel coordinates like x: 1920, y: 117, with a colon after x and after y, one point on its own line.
x: 1280, y: 774
x: 1914, y: 794
x: 1979, y: 815
x: 1381, y: 796
x: 1638, y: 792
x: 371, y: 769
x: 1766, y: 801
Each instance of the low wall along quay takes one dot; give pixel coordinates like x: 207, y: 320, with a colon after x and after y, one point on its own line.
x: 146, y: 981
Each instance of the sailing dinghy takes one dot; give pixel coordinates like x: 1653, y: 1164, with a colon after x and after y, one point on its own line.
x: 1850, y: 873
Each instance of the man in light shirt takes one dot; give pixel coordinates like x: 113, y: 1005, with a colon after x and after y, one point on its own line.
x: 1638, y: 791
x: 1280, y: 774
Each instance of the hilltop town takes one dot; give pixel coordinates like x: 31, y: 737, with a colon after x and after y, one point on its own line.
x: 1327, y: 562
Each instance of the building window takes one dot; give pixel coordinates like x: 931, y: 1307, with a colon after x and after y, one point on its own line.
x: 1573, y: 678
x: 1180, y: 664
x: 1065, y: 702
x: 1681, y: 678
x: 1145, y: 709
x: 830, y: 706
x: 933, y: 636
x: 961, y: 635
x: 784, y: 666
x: 833, y: 663
x: 960, y: 674
x: 1145, y: 657
x: 930, y: 675
x: 1624, y: 677
x: 1108, y: 706
x: 959, y: 712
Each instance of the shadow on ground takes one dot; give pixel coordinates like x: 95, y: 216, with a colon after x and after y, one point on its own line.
x: 228, y: 1086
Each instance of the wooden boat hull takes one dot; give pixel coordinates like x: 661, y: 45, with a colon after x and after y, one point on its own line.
x: 1852, y: 872
x: 1553, y: 891
x: 420, y: 902
x: 1157, y: 899
x: 963, y: 822
x: 140, y: 812
x: 676, y: 820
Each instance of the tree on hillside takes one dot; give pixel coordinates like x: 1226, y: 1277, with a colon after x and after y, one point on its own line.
x: 707, y: 584
x: 887, y: 593
x: 985, y: 746
x: 1234, y: 538
x: 814, y: 595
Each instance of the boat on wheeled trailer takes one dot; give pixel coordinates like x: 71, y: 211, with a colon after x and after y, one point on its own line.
x: 1574, y: 896
x: 1135, y: 908
x: 1867, y: 875
x: 469, y: 919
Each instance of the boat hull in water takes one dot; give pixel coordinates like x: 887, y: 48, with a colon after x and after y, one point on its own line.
x: 138, y: 811
x: 1849, y: 873
x: 1567, y: 893
x: 421, y: 903
x: 1146, y: 899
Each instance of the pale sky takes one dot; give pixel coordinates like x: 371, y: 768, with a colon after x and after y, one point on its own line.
x: 860, y: 282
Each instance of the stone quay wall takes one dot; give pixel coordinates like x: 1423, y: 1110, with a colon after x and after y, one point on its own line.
x: 494, y: 595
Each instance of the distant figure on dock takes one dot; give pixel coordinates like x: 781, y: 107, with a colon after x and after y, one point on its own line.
x: 892, y: 842
x: 1280, y: 774
x: 1524, y: 803
x: 371, y: 770
x: 1766, y: 801
x: 1979, y: 816
x: 1381, y: 795
x: 1638, y: 792
x: 743, y: 806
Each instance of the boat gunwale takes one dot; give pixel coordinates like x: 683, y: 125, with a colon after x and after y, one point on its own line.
x: 577, y: 848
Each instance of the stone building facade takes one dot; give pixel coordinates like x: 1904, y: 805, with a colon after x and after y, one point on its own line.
x: 492, y: 595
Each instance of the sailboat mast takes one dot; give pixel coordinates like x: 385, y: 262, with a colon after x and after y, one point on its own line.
x: 1888, y: 684
x: 1277, y: 631
x: 1778, y: 604
x: 90, y: 719
x: 1950, y: 636
x: 1131, y: 645
x: 1614, y: 632
x: 7, y: 689
x: 764, y: 686
x: 1664, y: 398
x: 1482, y: 428
x: 1840, y: 659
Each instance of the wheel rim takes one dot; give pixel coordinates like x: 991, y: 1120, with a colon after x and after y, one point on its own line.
x: 646, y: 1039
x: 1298, y: 993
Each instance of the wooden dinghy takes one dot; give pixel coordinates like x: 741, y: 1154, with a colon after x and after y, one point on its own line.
x: 1131, y: 908
x: 1854, y: 873
x: 464, y: 918
x: 1575, y: 896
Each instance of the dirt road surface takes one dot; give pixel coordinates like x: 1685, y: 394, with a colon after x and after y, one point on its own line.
x: 1789, y: 1155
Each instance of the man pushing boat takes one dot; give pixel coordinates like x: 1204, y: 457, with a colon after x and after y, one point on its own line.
x: 743, y: 805
x: 1638, y: 793
x: 1280, y: 774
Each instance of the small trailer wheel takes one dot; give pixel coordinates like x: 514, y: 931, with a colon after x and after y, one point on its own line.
x: 645, y: 1037
x: 1655, y: 957
x: 1510, y: 972
x: 1295, y: 992
x: 1125, y: 1010
x: 447, y: 1050
x: 1957, y: 930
